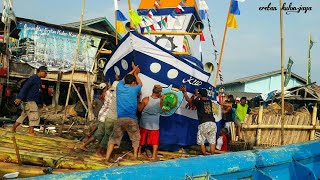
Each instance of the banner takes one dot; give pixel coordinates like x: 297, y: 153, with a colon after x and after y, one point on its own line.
x: 55, y: 48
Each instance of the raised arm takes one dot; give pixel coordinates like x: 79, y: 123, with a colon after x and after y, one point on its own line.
x: 136, y: 72
x: 143, y: 104
x: 184, y: 90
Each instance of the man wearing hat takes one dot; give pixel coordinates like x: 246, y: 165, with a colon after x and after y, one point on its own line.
x: 29, y: 95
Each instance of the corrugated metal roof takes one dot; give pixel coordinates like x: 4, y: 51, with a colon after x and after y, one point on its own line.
x: 259, y: 76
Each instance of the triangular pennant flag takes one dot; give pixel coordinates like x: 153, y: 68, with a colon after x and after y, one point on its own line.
x: 142, y: 30
x: 148, y: 29
x: 173, y: 14
x: 150, y: 14
x: 232, y: 21
x: 154, y: 9
x: 202, y: 14
x: 202, y: 37
x: 120, y: 16
x: 164, y: 24
x: 152, y: 27
x: 120, y: 27
x: 180, y: 8
x: 165, y: 19
x: 135, y: 18
x: 159, y: 24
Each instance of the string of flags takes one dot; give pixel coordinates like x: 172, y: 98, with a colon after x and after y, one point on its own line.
x: 203, y: 8
x: 148, y: 22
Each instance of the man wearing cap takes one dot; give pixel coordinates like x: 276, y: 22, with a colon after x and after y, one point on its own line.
x: 29, y: 95
x: 150, y: 107
x: 107, y: 115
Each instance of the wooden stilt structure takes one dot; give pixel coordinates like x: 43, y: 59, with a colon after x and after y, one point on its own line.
x: 74, y: 66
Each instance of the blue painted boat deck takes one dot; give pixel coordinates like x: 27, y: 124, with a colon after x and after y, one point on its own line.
x: 296, y: 161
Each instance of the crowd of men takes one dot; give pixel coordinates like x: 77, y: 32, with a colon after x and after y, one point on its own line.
x: 118, y: 115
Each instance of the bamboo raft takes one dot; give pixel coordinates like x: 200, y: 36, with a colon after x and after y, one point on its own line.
x: 40, y: 152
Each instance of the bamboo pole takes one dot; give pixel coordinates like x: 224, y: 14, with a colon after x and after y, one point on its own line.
x: 129, y: 7
x: 82, y: 101
x: 272, y: 126
x: 259, y: 122
x: 74, y: 66
x: 282, y: 72
x: 16, y: 148
x: 115, y: 15
x: 313, y: 122
x: 222, y: 47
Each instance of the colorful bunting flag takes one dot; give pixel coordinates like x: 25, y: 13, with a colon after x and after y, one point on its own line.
x: 232, y: 21
x: 150, y: 14
x: 163, y: 21
x: 148, y: 29
x: 135, y: 18
x: 234, y: 9
x: 120, y: 27
x: 152, y: 27
x: 120, y: 16
x: 180, y: 7
x: 202, y: 37
x: 178, y: 10
x: 142, y: 30
x: 173, y: 14
x: 160, y: 23
x: 203, y: 7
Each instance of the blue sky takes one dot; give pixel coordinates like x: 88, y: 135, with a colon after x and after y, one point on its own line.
x: 251, y: 49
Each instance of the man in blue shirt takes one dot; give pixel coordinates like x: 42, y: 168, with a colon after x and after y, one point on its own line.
x: 29, y: 95
x: 127, y: 91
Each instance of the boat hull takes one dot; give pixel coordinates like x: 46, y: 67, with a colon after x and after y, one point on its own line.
x: 296, y: 161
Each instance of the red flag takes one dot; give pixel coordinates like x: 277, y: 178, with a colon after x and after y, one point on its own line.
x: 152, y: 27
x: 202, y: 37
x: 178, y: 10
x: 165, y: 19
x: 150, y: 15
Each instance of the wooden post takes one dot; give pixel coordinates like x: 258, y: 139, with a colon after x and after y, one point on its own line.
x: 81, y: 100
x: 17, y: 149
x: 57, y: 92
x: 282, y: 72
x: 313, y: 122
x: 73, y: 68
x: 88, y: 94
x: 222, y: 47
x: 260, y: 116
x: 129, y: 7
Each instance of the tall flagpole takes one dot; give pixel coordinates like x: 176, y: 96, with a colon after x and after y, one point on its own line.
x: 129, y: 6
x: 222, y: 47
x: 115, y: 17
x: 73, y: 67
x: 282, y: 73
x: 308, y: 63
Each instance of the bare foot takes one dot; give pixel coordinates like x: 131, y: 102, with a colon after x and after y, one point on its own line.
x: 154, y: 159
x: 82, y: 147
x: 99, y: 154
x: 32, y: 134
